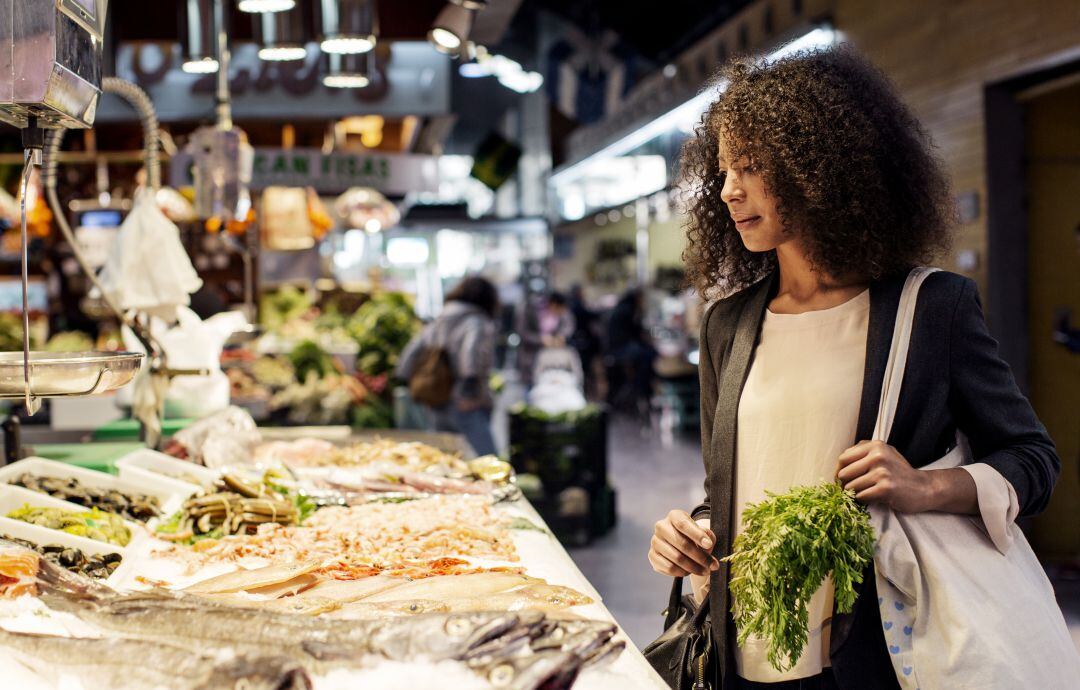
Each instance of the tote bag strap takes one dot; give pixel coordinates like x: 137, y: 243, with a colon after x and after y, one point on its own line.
x: 898, y: 352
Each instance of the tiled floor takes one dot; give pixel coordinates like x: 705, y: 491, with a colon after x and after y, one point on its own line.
x: 653, y: 474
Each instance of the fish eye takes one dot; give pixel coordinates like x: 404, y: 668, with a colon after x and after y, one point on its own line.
x: 501, y: 675
x: 457, y: 627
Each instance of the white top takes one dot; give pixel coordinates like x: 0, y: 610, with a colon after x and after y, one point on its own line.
x: 797, y: 414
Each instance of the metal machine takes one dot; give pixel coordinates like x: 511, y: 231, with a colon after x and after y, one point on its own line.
x: 51, y: 69
x: 50, y: 77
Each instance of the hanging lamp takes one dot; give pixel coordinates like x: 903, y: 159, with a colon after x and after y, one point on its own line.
x: 198, y: 37
x: 280, y: 36
x: 347, y: 26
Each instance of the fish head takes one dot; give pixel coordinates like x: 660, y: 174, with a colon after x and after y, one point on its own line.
x: 258, y: 673
x: 556, y: 595
x: 439, y: 636
x: 551, y: 670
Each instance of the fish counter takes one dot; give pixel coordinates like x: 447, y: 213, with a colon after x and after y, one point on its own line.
x: 238, y: 562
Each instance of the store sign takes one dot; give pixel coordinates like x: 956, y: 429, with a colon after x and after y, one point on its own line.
x: 413, y: 79
x: 332, y: 173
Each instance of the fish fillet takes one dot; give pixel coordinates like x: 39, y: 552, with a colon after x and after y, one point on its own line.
x: 455, y: 587
x: 345, y: 591
x: 246, y: 580
x: 18, y: 572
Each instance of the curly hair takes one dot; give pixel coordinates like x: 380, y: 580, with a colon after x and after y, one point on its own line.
x: 850, y: 167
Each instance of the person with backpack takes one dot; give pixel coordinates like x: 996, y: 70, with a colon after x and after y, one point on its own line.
x: 448, y: 364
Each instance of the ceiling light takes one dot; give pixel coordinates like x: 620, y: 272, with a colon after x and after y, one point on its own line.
x: 685, y: 115
x: 451, y: 29
x: 346, y: 71
x: 265, y: 6
x: 347, y: 27
x: 206, y: 65
x: 198, y: 37
x: 280, y: 36
x: 283, y: 53
x: 471, y: 4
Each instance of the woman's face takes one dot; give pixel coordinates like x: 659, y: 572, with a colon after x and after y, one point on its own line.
x: 750, y: 205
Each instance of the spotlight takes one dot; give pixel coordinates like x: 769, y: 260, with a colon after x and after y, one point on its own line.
x: 279, y: 36
x: 346, y: 71
x: 265, y: 6
x: 451, y: 29
x: 197, y: 37
x: 347, y: 26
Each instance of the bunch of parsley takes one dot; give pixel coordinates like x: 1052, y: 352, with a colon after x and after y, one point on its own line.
x: 789, y: 544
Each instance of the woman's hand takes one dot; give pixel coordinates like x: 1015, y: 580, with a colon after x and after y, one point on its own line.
x: 682, y: 547
x: 878, y: 473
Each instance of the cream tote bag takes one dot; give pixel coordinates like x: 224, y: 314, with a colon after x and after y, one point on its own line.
x: 964, y: 601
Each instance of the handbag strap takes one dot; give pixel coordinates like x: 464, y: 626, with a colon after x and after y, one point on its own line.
x: 675, y: 606
x: 898, y: 352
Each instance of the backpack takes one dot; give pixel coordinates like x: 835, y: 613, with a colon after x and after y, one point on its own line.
x: 432, y: 382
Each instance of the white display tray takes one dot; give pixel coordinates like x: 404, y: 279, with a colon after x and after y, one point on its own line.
x: 15, y: 497
x: 150, y: 465
x: 169, y: 492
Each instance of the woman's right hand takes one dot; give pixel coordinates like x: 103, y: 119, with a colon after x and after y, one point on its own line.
x: 680, y: 546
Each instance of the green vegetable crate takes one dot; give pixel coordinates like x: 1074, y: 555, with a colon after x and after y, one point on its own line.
x: 567, y: 456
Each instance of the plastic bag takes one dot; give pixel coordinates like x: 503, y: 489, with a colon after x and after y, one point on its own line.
x: 148, y: 268
x: 228, y: 437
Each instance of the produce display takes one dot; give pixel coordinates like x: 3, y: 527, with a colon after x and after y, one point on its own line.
x: 324, y: 367
x: 789, y: 544
x: 97, y: 566
x: 92, y: 524
x: 134, y: 507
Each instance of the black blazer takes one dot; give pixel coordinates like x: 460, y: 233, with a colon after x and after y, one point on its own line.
x: 954, y: 379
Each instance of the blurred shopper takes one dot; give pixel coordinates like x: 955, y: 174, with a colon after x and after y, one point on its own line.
x: 556, y: 321
x: 630, y: 354
x: 464, y: 333
x: 530, y: 338
x: 816, y: 192
x: 541, y: 323
x: 585, y: 338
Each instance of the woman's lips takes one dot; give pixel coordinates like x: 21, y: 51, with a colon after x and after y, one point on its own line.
x: 745, y: 222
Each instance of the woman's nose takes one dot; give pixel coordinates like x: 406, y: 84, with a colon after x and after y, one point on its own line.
x: 732, y: 190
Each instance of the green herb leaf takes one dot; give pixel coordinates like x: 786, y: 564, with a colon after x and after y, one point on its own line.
x: 789, y: 544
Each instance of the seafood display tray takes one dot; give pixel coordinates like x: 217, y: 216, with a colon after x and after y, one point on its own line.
x: 150, y: 465
x: 62, y: 374
x: 15, y: 497
x: 43, y: 536
x: 170, y: 493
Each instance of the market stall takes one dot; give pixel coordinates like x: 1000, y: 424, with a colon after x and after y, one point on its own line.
x: 371, y: 557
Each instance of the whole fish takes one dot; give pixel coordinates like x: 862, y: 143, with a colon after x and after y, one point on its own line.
x: 346, y: 591
x: 196, y: 623
x: 245, y: 580
x: 309, y: 606
x: 456, y: 586
x: 539, y: 596
x: 118, y: 664
x: 408, y: 607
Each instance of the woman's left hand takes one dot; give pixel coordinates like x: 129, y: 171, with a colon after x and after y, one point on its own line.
x: 878, y: 473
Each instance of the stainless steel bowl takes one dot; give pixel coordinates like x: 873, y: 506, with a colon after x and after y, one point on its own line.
x: 61, y: 374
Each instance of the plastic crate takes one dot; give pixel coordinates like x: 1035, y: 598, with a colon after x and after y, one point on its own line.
x: 559, y: 453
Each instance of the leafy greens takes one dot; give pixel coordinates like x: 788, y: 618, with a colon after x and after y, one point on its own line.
x: 789, y: 544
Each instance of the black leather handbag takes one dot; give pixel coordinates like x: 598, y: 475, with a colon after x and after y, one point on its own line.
x: 683, y: 655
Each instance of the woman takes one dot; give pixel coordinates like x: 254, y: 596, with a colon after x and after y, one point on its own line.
x: 815, y: 193
x: 466, y: 331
